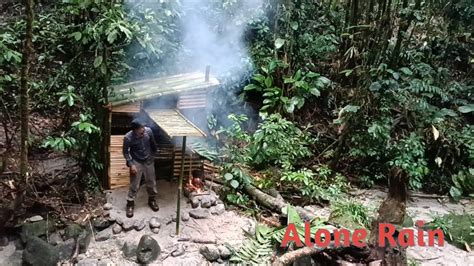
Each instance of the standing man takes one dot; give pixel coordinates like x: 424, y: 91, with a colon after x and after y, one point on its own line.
x: 139, y: 147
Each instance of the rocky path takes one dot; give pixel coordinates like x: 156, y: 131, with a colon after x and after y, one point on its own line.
x: 218, y: 229
x: 208, y: 230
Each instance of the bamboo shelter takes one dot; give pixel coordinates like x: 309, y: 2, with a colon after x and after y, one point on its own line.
x: 159, y: 101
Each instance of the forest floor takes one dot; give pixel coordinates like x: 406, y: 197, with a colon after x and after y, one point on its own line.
x: 228, y: 227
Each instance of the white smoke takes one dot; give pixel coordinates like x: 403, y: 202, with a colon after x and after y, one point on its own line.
x: 214, y: 35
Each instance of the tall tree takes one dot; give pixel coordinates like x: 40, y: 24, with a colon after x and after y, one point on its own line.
x: 24, y: 99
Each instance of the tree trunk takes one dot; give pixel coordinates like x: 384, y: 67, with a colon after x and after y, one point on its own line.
x: 392, y: 210
x: 276, y: 204
x: 24, y: 99
x: 292, y: 256
x: 404, y: 25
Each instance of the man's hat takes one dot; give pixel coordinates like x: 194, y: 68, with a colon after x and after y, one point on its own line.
x: 137, y: 123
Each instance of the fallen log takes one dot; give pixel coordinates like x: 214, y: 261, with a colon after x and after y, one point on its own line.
x: 292, y: 256
x: 274, y: 203
x: 277, y: 204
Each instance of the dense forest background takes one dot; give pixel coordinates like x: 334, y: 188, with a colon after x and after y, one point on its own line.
x: 315, y: 96
x: 348, y: 88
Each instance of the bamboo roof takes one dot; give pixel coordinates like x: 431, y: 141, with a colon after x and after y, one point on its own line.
x: 174, y: 123
x: 157, y: 87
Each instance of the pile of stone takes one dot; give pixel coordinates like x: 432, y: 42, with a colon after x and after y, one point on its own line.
x: 205, y: 204
x: 217, y: 253
x: 145, y: 252
x: 42, y: 246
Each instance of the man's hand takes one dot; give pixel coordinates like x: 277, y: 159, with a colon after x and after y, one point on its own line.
x: 133, y: 170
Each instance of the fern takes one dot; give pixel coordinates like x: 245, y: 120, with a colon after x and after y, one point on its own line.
x: 259, y: 247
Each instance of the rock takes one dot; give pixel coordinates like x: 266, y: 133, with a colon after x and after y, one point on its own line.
x: 81, y: 257
x: 34, y: 229
x: 206, y: 202
x: 195, y: 202
x: 219, y: 260
x: 66, y: 249
x: 55, y: 239
x: 35, y: 218
x: 218, y: 209
x: 119, y: 220
x: 250, y: 227
x: 178, y: 251
x: 155, y: 223
x: 116, y: 229
x: 101, y: 223
x: 199, y: 213
x: 148, y: 249
x: 104, y: 235
x: 105, y: 262
x: 15, y: 258
x: 119, y: 242
x: 129, y: 250
x: 18, y: 244
x: 38, y: 252
x: 72, y: 231
x: 210, y: 252
x: 213, y: 198
x: 3, y: 241
x: 128, y: 225
x: 87, y: 262
x: 84, y: 239
x: 139, y: 225
x: 224, y: 252
x: 155, y: 230
x: 185, y: 216
x: 108, y: 206
x: 172, y: 219
x: 111, y: 219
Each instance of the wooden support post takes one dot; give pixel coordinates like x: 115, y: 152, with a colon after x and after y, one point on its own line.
x: 180, y: 185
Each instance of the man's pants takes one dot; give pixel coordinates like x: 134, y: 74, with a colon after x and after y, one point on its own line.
x: 147, y: 169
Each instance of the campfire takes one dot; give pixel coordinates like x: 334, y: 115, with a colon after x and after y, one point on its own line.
x: 195, y: 183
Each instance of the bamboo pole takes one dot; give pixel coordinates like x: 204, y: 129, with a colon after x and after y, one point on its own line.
x: 180, y: 186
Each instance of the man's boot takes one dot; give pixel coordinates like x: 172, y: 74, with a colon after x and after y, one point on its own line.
x: 130, y: 207
x: 153, y: 205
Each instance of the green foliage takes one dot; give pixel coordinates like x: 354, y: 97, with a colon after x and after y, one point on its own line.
x: 235, y: 153
x: 68, y: 96
x: 238, y: 199
x: 280, y: 142
x: 321, y: 185
x: 259, y: 247
x: 351, y: 214
x: 463, y: 184
x: 59, y: 143
x: 409, y: 156
x: 78, y: 142
x: 288, y: 94
x: 457, y: 228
